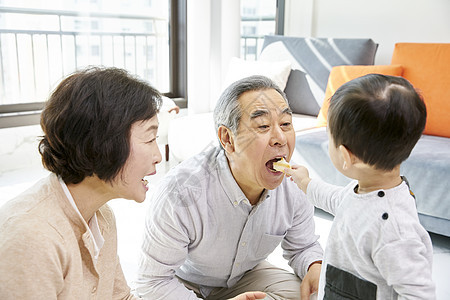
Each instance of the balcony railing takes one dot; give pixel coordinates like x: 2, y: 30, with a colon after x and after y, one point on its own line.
x: 251, y: 44
x: 32, y: 61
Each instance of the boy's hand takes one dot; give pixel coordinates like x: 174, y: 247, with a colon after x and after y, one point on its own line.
x: 250, y: 296
x: 300, y: 175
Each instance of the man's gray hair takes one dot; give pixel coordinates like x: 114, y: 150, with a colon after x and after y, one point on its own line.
x: 228, y: 111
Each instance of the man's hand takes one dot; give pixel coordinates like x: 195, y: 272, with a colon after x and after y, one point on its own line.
x: 310, y: 283
x: 250, y: 296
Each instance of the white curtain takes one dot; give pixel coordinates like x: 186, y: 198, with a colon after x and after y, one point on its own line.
x: 213, y: 37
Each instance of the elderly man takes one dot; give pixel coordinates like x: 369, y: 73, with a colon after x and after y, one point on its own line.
x: 216, y: 217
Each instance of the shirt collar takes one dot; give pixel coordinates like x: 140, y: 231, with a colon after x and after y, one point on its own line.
x: 229, y: 184
x: 92, y: 227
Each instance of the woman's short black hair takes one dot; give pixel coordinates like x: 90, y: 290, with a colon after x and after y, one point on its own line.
x: 378, y: 118
x: 87, y: 121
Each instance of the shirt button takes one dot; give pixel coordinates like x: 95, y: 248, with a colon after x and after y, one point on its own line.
x: 385, y: 216
x: 235, y: 203
x: 380, y: 194
x: 243, y: 244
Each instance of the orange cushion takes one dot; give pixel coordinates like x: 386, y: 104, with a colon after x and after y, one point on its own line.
x: 341, y: 74
x: 427, y: 67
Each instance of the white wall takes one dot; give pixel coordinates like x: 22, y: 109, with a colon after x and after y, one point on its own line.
x: 385, y: 21
x: 198, y: 52
x: 213, y: 28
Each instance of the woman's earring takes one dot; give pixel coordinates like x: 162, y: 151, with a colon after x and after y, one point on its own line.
x: 344, y: 166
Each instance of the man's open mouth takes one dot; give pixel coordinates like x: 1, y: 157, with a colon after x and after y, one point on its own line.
x: 269, y: 164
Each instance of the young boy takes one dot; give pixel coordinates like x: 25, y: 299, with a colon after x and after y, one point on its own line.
x: 376, y: 248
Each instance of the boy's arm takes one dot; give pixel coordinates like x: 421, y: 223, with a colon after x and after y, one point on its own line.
x: 321, y: 194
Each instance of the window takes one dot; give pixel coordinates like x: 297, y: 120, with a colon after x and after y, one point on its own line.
x: 259, y: 18
x: 95, y: 50
x: 249, y: 30
x: 39, y: 46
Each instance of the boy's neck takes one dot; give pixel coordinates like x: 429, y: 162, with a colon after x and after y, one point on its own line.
x: 372, y: 179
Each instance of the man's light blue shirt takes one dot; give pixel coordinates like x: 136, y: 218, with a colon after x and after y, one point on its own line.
x: 201, y: 228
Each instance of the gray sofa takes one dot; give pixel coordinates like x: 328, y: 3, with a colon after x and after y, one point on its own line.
x: 427, y: 170
x: 428, y: 167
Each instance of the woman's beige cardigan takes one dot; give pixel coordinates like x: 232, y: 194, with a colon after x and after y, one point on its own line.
x: 46, y: 253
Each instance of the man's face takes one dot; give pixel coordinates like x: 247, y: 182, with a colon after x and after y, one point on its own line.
x: 265, y: 134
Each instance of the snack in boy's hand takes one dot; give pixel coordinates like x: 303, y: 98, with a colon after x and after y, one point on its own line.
x: 281, y: 165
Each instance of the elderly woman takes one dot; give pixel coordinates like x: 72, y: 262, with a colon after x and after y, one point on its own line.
x: 58, y: 239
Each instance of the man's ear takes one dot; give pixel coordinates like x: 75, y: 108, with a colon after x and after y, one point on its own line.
x: 226, y: 139
x: 348, y: 157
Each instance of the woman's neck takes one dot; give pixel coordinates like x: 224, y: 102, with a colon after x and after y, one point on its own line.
x: 89, y: 195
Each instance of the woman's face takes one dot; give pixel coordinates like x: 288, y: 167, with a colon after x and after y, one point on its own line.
x: 144, y: 155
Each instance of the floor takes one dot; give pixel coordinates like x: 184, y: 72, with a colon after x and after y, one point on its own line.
x: 130, y: 222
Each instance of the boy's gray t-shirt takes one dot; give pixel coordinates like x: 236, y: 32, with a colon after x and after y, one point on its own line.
x: 377, y: 237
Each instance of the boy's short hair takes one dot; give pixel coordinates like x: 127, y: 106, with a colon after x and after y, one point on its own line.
x: 378, y: 118
x: 87, y: 122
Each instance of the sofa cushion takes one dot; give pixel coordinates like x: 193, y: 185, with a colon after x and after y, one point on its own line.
x: 239, y: 68
x: 341, y: 74
x: 427, y: 67
x: 191, y: 134
x: 312, y: 60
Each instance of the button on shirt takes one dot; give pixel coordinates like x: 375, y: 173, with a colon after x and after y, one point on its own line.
x: 201, y: 227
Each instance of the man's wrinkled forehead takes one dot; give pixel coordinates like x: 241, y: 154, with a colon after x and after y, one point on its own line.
x: 261, y: 103
x: 257, y: 113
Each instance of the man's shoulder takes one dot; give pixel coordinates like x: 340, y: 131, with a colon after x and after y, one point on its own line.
x: 201, y: 163
x: 191, y: 176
